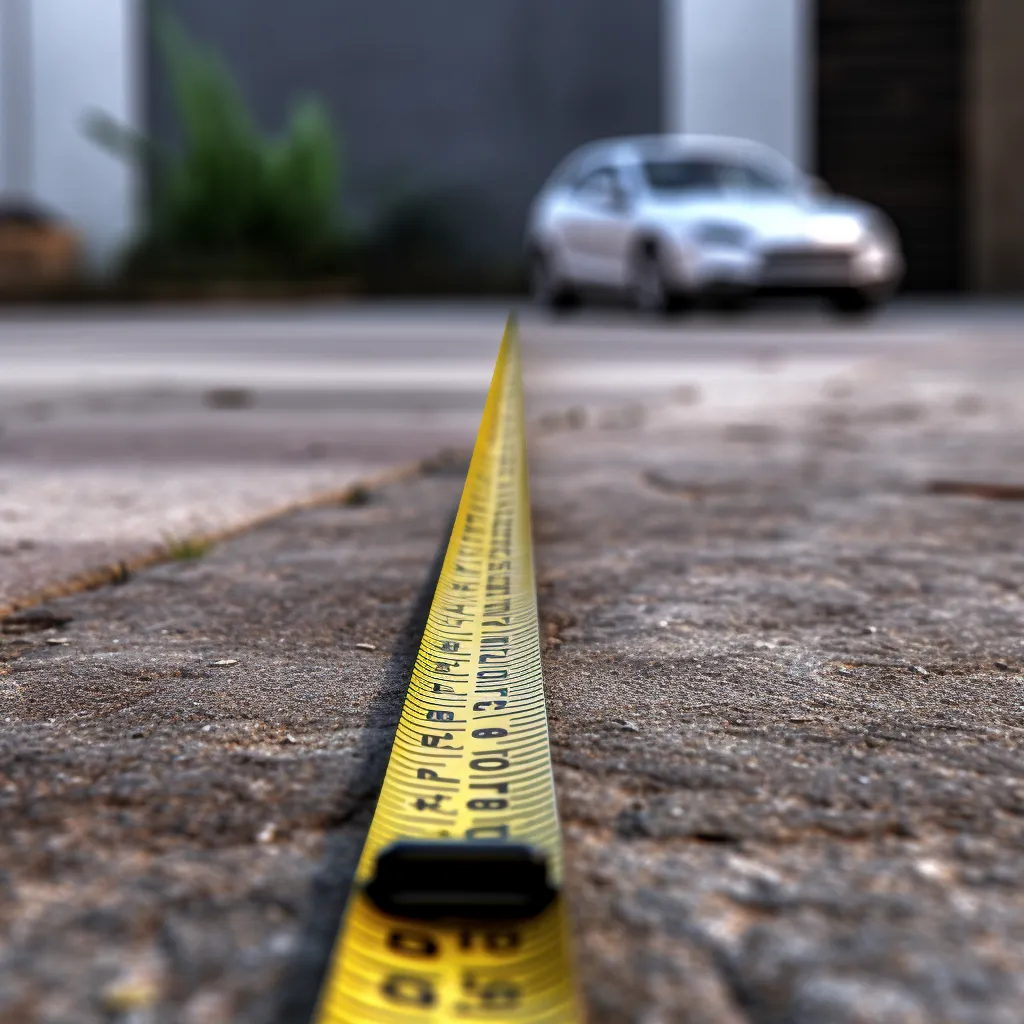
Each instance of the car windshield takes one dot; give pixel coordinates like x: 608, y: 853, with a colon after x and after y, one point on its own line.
x: 683, y: 175
x: 674, y: 176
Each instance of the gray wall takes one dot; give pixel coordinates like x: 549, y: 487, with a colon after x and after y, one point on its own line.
x: 479, y: 97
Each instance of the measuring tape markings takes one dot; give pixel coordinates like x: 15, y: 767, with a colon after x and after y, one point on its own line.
x: 470, y: 765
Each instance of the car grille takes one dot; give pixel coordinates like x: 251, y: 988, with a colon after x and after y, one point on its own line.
x: 805, y: 267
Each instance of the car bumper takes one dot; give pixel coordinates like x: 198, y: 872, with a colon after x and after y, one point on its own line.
x: 790, y: 269
x: 864, y: 267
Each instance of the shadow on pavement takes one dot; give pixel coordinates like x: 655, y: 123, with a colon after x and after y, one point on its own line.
x: 333, y: 882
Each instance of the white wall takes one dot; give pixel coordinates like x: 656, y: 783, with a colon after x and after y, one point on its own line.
x: 85, y: 55
x: 15, y: 98
x: 741, y: 67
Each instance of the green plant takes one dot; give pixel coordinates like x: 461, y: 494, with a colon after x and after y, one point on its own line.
x: 187, y: 549
x: 231, y: 198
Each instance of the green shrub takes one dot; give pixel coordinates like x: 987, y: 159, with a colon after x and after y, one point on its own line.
x: 232, y: 201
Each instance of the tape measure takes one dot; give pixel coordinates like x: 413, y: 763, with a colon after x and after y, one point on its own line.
x: 456, y: 913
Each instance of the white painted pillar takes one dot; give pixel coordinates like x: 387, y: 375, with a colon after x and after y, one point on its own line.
x: 86, y: 55
x: 742, y: 68
x: 16, y: 92
x: 672, y: 54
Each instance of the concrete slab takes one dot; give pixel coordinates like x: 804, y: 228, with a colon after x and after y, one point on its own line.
x: 786, y: 687
x: 120, y: 431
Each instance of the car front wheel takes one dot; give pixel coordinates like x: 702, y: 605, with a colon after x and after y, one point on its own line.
x: 858, y: 301
x: 648, y: 288
x: 546, y: 288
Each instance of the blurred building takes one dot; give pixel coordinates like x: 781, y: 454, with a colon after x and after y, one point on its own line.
x: 59, y: 59
x: 462, y: 107
x: 911, y: 104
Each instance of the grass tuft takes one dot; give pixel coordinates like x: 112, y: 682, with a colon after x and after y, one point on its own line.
x: 187, y: 549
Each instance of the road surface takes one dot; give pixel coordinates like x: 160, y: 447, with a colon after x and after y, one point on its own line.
x: 784, y: 674
x: 123, y: 431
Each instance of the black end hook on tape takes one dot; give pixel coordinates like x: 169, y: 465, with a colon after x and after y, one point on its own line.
x: 463, y: 880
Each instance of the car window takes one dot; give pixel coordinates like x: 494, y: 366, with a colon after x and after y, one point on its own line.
x: 683, y: 175
x: 598, y: 183
x: 750, y: 178
x: 706, y: 175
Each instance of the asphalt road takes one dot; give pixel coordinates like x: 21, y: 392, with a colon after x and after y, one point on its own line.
x: 379, y: 383
x: 121, y: 430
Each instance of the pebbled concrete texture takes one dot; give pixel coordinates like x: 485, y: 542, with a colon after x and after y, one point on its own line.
x: 786, y: 693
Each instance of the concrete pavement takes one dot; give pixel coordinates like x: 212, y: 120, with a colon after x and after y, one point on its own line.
x: 785, y: 691
x: 122, y: 431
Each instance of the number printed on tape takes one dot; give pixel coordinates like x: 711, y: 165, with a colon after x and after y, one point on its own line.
x: 470, y: 768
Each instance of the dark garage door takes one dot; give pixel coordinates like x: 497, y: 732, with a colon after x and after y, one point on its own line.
x: 891, y: 121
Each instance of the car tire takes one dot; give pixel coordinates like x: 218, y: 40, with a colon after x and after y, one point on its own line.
x: 858, y: 302
x: 546, y: 288
x: 732, y: 302
x: 648, y: 288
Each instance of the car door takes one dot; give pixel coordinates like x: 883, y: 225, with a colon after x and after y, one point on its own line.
x: 595, y: 227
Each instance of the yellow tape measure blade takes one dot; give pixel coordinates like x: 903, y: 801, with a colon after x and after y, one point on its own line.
x: 457, y: 914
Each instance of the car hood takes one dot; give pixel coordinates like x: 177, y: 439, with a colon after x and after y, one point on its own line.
x: 795, y: 220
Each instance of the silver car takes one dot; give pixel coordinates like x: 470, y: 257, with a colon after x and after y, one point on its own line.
x: 667, y: 220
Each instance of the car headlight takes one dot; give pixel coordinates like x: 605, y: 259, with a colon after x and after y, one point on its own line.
x: 837, y: 230
x: 721, y: 234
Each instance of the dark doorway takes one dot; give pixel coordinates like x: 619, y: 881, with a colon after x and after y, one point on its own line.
x: 890, y: 122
